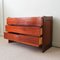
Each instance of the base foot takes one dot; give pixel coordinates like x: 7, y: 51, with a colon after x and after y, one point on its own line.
x: 9, y: 41
x: 44, y: 48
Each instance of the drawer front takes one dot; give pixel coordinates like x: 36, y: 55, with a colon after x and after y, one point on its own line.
x: 34, y: 41
x: 34, y: 31
x: 34, y: 21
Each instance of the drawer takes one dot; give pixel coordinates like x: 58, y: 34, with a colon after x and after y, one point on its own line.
x: 34, y: 41
x: 34, y: 21
x: 34, y: 31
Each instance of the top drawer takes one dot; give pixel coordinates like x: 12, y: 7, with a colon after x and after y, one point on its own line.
x: 34, y: 21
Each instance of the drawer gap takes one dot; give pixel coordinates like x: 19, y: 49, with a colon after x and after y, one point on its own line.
x: 25, y: 34
x: 26, y: 25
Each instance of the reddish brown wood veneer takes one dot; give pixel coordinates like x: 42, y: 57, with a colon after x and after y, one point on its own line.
x: 30, y: 21
x: 33, y: 31
x: 34, y: 41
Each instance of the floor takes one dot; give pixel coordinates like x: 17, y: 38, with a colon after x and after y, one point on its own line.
x: 16, y: 51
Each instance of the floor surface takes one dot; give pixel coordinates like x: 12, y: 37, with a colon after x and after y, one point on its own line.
x: 16, y: 51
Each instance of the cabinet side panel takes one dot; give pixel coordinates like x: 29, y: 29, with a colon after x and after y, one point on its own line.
x: 47, y: 33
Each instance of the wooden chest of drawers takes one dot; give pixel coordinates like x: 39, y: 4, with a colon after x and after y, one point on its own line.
x: 34, y: 31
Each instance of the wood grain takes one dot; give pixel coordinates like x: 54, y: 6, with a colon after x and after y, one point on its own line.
x: 33, y: 31
x: 32, y: 21
x: 34, y: 41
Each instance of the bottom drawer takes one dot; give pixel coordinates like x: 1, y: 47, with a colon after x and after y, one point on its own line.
x: 30, y: 40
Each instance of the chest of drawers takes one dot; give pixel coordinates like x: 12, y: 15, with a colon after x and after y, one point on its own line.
x: 34, y: 31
